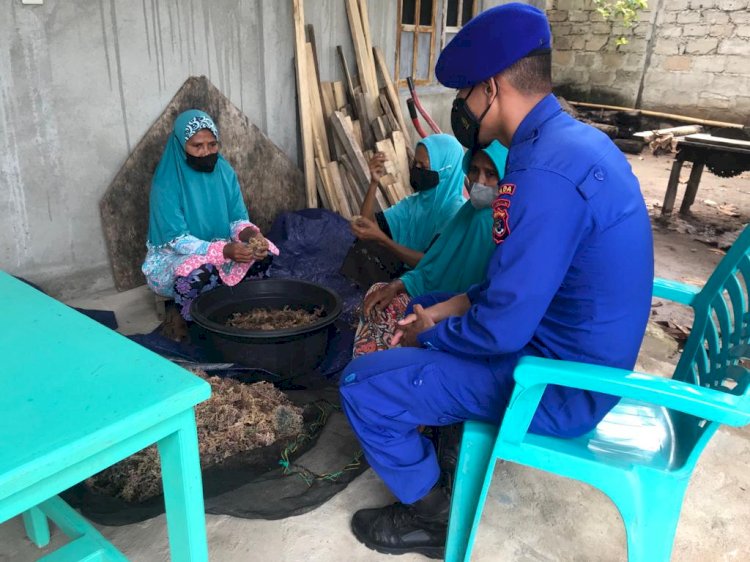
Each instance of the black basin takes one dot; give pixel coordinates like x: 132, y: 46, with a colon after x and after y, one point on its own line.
x: 287, y: 352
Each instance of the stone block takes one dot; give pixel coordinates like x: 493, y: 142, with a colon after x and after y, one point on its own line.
x: 601, y: 78
x: 689, y: 16
x: 564, y: 43
x: 613, y: 61
x: 715, y: 17
x: 563, y: 58
x: 596, y: 17
x: 735, y: 64
x: 628, y: 77
x: 721, y: 30
x: 601, y: 28
x: 557, y: 15
x: 742, y: 31
x: 635, y: 45
x: 559, y: 29
x: 578, y: 16
x: 734, y: 46
x: 677, y: 5
x: 579, y: 43
x: 732, y: 5
x: 696, y: 30
x: 678, y: 62
x: 667, y: 46
x: 702, y: 46
x: 710, y: 63
x: 633, y: 61
x: 714, y: 101
x: 596, y: 42
x: 585, y: 60
x: 729, y: 84
x: 702, y: 4
x: 666, y: 17
x: 670, y: 31
x: 568, y: 4
x: 740, y: 17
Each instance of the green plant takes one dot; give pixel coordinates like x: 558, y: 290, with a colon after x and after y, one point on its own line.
x: 626, y: 11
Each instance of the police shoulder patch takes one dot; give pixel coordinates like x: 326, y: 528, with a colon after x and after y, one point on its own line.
x: 501, y: 220
x: 507, y: 189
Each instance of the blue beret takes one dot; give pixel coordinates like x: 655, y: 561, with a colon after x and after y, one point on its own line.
x: 490, y: 43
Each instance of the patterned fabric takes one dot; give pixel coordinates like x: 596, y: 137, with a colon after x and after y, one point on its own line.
x: 206, y: 278
x: 200, y: 122
x: 178, y: 258
x: 375, y: 333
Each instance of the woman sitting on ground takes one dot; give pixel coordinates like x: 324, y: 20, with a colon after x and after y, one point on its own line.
x: 457, y: 259
x: 401, y: 234
x: 199, y: 234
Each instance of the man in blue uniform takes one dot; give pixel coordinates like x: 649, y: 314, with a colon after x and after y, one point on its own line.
x: 570, y: 279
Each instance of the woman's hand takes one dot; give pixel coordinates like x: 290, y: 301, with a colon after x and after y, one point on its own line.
x: 379, y: 299
x: 377, y: 167
x: 365, y: 229
x: 239, y: 252
x: 258, y: 245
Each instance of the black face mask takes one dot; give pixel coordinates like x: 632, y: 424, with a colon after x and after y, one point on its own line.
x: 464, y: 123
x: 203, y: 163
x: 422, y: 179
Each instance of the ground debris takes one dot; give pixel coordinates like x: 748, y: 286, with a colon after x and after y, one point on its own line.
x: 237, y: 418
x: 273, y: 319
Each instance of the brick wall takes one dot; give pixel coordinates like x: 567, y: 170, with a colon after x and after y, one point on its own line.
x: 683, y: 56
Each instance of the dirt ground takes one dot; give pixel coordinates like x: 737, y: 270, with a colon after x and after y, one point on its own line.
x: 688, y: 248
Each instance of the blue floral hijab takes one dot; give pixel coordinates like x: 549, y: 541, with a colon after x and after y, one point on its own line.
x: 417, y: 219
x: 184, y: 201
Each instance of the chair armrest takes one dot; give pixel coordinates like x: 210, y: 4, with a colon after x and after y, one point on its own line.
x: 533, y: 374
x: 675, y: 291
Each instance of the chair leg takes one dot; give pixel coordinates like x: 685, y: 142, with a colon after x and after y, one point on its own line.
x: 183, y: 493
x: 650, y: 509
x: 472, y: 480
x: 37, y: 526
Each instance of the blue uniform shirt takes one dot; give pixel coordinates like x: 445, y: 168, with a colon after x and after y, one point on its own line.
x: 571, y: 277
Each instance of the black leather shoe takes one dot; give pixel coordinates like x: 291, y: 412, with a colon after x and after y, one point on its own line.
x: 399, y: 528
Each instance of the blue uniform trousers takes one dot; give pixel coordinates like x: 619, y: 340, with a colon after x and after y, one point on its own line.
x: 387, y: 395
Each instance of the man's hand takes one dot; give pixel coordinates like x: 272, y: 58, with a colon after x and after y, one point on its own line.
x: 377, y: 166
x: 411, y: 327
x: 239, y: 252
x: 379, y: 299
x: 365, y: 229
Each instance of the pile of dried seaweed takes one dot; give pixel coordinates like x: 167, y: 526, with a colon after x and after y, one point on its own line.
x: 238, y: 417
x: 273, y: 319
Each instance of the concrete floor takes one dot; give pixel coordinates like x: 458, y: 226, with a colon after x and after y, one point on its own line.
x: 530, y: 516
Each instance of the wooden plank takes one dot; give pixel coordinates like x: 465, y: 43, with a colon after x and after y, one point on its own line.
x: 322, y: 189
x: 316, y: 107
x: 306, y: 128
x: 351, y: 197
x: 350, y: 177
x: 399, y: 144
x: 379, y: 130
x: 391, y: 92
x: 353, y: 152
x: 338, y: 188
x: 328, y: 98
x: 347, y: 75
x: 368, y: 138
x: 339, y: 94
x: 385, y: 105
x: 365, y: 15
x: 360, y: 47
x: 357, y: 129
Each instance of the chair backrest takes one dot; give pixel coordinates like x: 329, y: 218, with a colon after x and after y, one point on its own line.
x: 717, y: 352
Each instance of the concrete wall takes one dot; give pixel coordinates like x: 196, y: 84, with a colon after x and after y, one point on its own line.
x: 683, y: 56
x: 81, y: 82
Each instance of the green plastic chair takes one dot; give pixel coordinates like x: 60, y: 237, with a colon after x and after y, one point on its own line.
x: 644, y: 451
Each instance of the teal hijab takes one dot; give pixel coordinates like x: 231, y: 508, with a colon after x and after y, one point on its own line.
x: 185, y: 201
x: 415, y: 220
x: 459, y: 258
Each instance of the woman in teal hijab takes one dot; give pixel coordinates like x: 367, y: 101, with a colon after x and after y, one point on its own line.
x: 457, y: 260
x: 407, y: 229
x: 199, y: 234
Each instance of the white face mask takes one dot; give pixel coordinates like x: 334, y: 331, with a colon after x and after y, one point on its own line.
x: 482, y: 196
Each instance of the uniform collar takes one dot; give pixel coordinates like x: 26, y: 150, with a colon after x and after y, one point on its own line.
x: 547, y: 108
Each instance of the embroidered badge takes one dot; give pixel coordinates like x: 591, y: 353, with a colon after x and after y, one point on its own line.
x: 507, y: 189
x: 501, y: 220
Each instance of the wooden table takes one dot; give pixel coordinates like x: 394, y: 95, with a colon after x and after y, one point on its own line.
x: 75, y: 398
x: 699, y: 149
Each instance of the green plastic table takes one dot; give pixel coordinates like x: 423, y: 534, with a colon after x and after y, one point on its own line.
x: 75, y: 398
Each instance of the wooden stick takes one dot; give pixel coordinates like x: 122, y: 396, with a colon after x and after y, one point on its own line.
x: 368, y: 139
x: 347, y: 75
x: 648, y: 136
x: 373, y: 77
x: 318, y: 120
x: 673, y: 116
x: 351, y: 147
x: 360, y: 47
x: 399, y: 145
x: 339, y: 94
x: 393, y: 123
x: 338, y: 187
x: 378, y: 129
x: 300, y: 57
x: 391, y: 92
